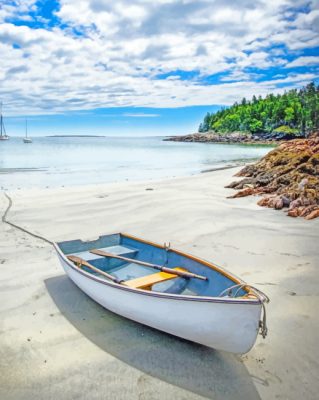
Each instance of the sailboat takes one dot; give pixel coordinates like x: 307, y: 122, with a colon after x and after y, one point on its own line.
x: 26, y: 139
x: 3, y: 134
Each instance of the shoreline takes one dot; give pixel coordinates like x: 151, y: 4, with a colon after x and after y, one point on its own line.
x: 239, y: 165
x: 119, y: 184
x: 17, y: 170
x: 44, y: 314
x: 231, y: 138
x: 25, y: 171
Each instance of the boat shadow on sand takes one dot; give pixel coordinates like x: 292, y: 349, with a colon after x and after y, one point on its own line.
x: 196, y: 368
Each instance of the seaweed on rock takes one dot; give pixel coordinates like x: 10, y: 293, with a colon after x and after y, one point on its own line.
x: 287, y: 177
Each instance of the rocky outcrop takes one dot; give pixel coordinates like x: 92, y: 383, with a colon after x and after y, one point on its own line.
x: 233, y: 137
x: 286, y: 178
x: 213, y: 137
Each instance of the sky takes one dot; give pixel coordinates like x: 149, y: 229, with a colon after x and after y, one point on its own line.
x: 147, y: 67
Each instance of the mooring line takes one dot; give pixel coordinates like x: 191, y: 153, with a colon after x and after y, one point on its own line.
x: 5, y: 220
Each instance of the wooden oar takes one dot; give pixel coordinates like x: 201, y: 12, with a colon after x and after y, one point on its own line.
x: 185, y: 274
x: 79, y: 262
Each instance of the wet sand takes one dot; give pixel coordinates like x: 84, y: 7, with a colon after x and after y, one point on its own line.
x: 55, y: 342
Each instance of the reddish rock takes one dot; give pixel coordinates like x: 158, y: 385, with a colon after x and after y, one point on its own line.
x: 293, y: 213
x: 243, y: 193
x: 272, y: 201
x: 288, y: 176
x: 279, y: 204
x: 263, y: 202
x: 307, y: 210
x: 313, y: 214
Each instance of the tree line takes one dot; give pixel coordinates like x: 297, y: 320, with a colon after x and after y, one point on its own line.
x: 294, y: 112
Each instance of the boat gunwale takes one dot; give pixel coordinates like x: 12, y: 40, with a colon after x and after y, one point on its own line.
x: 226, y: 300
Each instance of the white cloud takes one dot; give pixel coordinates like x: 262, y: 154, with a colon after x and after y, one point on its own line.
x: 124, y: 45
x: 303, y: 62
x: 11, y: 9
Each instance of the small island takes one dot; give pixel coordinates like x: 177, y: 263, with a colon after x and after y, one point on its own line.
x: 76, y: 136
x: 269, y: 120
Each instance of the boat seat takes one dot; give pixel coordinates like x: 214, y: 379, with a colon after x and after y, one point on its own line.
x: 146, y: 282
x: 99, y: 261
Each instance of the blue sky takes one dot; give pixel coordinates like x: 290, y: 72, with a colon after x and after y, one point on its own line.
x: 119, y: 121
x: 144, y: 67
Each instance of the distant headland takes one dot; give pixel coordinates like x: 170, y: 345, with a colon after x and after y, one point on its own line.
x: 292, y: 115
x: 78, y: 136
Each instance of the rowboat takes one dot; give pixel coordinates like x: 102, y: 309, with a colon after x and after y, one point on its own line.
x: 167, y: 289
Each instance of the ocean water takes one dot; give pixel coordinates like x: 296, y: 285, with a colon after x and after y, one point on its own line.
x: 65, y: 161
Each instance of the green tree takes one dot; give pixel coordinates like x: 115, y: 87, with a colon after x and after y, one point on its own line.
x: 297, y: 110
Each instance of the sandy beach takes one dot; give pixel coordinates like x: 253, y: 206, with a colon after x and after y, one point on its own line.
x: 55, y: 342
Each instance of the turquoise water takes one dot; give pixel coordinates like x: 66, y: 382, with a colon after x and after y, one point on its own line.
x: 57, y: 161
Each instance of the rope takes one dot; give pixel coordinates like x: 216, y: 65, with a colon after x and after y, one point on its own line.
x: 228, y: 290
x: 263, y: 330
x: 4, y: 220
x: 263, y: 323
x: 262, y: 297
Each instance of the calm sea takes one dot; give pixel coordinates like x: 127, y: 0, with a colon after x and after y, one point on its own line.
x: 64, y: 161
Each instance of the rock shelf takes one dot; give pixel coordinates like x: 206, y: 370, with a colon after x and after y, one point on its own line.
x: 286, y: 178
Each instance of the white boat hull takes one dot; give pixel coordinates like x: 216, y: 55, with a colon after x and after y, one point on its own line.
x: 221, y: 323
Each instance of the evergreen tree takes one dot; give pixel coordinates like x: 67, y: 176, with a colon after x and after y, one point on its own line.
x: 292, y: 112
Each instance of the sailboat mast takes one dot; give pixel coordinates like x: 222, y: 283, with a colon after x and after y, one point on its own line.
x: 1, y: 117
x: 3, y: 134
x: 26, y: 128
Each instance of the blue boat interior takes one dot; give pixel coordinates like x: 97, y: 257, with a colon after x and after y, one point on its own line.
x: 139, y: 250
